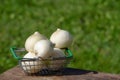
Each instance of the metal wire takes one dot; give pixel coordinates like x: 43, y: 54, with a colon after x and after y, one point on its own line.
x: 42, y: 67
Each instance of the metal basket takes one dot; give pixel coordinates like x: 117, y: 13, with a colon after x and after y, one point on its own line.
x: 40, y: 66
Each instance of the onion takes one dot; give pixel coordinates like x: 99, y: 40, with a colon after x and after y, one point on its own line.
x: 31, y: 40
x: 61, y: 38
x: 43, y: 48
x: 57, y: 64
x: 29, y: 65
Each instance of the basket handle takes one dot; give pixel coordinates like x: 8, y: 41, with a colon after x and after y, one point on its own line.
x: 12, y: 49
x: 69, y: 52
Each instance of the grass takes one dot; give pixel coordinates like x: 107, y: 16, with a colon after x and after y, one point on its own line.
x: 93, y: 23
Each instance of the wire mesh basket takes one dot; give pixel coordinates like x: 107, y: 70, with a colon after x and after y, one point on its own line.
x: 40, y: 66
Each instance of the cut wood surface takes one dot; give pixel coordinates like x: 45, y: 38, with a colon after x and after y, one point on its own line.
x: 68, y: 74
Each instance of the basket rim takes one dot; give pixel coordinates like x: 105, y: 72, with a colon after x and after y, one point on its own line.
x: 13, y: 49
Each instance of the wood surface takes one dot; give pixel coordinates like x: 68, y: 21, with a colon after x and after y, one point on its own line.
x: 17, y: 73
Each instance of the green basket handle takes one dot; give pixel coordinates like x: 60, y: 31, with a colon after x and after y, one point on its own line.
x: 14, y: 53
x: 70, y: 55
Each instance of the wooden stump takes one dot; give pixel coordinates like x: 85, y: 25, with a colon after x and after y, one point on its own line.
x: 68, y: 74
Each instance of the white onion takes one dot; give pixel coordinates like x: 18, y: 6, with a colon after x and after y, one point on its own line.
x: 57, y: 64
x: 31, y: 66
x: 31, y: 40
x: 61, y: 38
x: 43, y: 48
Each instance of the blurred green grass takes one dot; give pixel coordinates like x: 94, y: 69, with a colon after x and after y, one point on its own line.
x: 93, y: 23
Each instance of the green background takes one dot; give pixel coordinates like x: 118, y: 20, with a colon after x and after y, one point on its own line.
x: 94, y: 24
